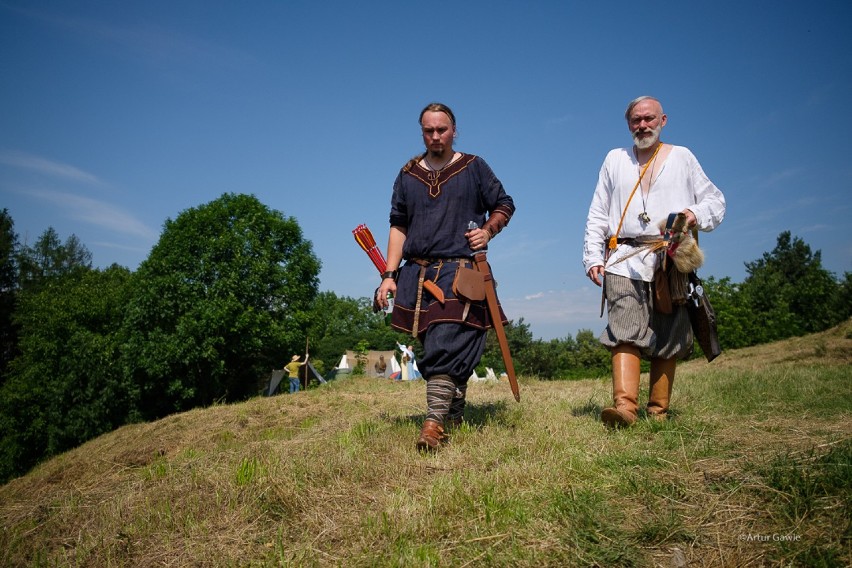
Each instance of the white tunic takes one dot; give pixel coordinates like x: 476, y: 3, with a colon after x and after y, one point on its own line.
x: 678, y: 184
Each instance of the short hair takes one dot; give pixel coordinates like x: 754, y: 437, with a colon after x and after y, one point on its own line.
x: 438, y: 107
x: 638, y: 100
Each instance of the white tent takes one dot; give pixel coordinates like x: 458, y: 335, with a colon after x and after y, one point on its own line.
x: 349, y: 360
x: 489, y: 376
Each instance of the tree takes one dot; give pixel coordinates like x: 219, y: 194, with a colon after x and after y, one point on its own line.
x: 591, y: 357
x: 66, y: 386
x: 844, y: 304
x: 736, y: 324
x: 8, y: 290
x: 49, y: 257
x: 224, y: 293
x: 519, y: 338
x: 339, y: 324
x: 790, y: 292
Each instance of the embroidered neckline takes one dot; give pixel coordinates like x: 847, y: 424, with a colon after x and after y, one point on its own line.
x: 435, y: 179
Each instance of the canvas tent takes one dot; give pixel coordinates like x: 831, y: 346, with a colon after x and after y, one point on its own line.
x: 306, y: 372
x: 489, y: 375
x: 349, y: 360
x: 275, y: 381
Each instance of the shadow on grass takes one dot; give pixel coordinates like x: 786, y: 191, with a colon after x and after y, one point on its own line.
x: 476, y: 416
x: 594, y: 410
x: 591, y: 408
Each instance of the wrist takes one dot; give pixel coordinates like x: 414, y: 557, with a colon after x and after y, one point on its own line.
x: 390, y: 274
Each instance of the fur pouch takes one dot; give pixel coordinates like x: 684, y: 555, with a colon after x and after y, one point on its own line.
x: 682, y: 247
x: 687, y: 256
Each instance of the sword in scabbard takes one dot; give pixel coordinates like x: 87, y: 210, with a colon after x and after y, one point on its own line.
x: 494, y: 311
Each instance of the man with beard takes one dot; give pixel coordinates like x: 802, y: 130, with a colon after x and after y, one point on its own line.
x: 446, y: 206
x: 669, y: 179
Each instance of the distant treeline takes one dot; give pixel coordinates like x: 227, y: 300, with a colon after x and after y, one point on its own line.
x: 230, y: 292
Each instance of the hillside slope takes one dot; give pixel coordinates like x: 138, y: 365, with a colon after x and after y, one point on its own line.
x: 753, y: 469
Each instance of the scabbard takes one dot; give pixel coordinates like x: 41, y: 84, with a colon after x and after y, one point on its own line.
x: 494, y: 311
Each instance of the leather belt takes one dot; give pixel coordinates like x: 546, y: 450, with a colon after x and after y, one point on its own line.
x: 431, y: 261
x: 637, y: 241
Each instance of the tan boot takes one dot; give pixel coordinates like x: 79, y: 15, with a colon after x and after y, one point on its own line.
x: 431, y: 436
x: 660, y: 391
x: 625, y: 388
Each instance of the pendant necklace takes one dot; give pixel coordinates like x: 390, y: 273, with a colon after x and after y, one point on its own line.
x: 643, y: 216
x: 434, y: 172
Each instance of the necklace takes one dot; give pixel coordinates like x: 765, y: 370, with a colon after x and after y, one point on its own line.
x: 643, y: 216
x: 435, y: 172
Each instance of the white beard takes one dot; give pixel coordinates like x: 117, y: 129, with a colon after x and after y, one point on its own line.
x: 645, y: 143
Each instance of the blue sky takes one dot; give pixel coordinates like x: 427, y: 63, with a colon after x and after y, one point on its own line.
x: 115, y: 116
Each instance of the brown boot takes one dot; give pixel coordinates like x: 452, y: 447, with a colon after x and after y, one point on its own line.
x: 431, y: 436
x: 625, y: 388
x: 660, y: 391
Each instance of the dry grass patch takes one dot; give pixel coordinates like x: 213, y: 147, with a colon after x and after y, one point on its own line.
x: 758, y: 450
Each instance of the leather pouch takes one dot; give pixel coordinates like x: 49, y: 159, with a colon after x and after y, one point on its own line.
x: 662, y: 292
x: 469, y: 284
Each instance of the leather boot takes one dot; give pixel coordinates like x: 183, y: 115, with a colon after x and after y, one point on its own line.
x: 431, y: 436
x: 625, y: 388
x: 660, y: 391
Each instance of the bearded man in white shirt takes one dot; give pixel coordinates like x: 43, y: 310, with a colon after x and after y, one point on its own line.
x: 673, y: 181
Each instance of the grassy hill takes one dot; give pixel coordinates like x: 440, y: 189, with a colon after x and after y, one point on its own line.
x: 753, y: 470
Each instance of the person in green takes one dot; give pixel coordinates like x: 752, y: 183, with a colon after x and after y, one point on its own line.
x: 292, y: 369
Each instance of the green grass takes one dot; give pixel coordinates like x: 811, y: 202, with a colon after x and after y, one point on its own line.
x: 753, y: 469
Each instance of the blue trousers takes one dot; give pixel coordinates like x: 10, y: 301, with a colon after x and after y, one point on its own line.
x: 294, y: 384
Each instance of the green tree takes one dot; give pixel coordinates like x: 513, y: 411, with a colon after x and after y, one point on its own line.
x: 735, y: 322
x: 790, y: 293
x: 520, y: 339
x: 50, y: 257
x: 539, y: 359
x: 66, y: 385
x: 591, y: 358
x: 8, y: 290
x: 223, y: 296
x: 339, y: 324
x: 844, y: 303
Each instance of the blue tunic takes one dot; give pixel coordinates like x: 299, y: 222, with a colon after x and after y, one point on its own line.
x: 434, y: 209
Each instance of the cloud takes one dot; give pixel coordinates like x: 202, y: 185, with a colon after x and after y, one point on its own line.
x: 816, y: 228
x: 96, y: 213
x: 777, y: 178
x: 48, y: 167
x: 557, y: 313
x: 135, y: 249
